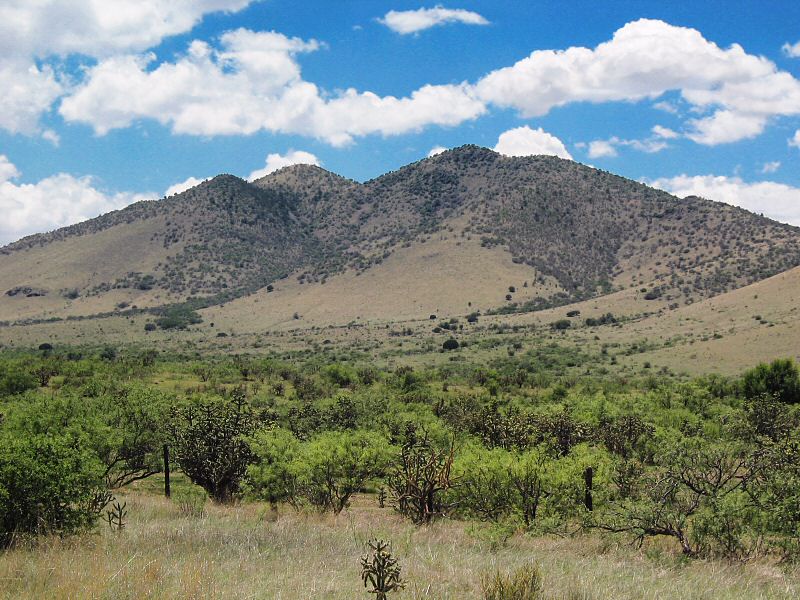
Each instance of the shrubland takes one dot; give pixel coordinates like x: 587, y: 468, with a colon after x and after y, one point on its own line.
x: 529, y: 447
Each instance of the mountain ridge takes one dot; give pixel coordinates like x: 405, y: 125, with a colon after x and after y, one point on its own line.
x: 580, y: 232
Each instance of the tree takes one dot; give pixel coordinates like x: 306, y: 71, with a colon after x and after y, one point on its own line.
x: 334, y: 465
x: 210, y: 445
x: 273, y: 474
x: 450, y: 344
x: 419, y: 478
x: 48, y: 484
x: 780, y: 378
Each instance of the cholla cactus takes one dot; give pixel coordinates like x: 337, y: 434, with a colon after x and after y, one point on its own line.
x: 116, y: 516
x: 379, y: 569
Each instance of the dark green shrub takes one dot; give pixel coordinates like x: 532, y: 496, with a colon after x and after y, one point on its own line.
x: 450, y: 344
x: 48, y: 484
x: 780, y: 378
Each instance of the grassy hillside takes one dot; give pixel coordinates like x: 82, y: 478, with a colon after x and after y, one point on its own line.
x: 432, y: 236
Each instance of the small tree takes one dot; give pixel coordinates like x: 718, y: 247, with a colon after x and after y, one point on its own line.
x: 450, y: 344
x: 419, y: 478
x: 273, y: 475
x: 335, y: 465
x: 780, y: 379
x: 210, y: 446
x: 48, y: 484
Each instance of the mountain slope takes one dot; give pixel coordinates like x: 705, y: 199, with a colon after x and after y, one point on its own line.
x: 465, y: 224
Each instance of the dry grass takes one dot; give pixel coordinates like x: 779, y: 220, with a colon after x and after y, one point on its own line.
x: 242, y: 552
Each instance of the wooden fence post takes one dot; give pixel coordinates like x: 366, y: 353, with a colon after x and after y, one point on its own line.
x: 166, y: 471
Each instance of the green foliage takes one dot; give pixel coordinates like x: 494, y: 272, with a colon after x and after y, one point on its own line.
x: 48, y: 484
x: 178, y: 317
x: 273, y: 474
x: 14, y: 379
x: 209, y: 441
x: 334, y: 465
x: 780, y: 378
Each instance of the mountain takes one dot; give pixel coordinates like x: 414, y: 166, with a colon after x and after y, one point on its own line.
x: 464, y: 229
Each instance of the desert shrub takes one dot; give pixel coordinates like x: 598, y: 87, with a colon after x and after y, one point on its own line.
x: 209, y: 440
x: 273, y: 474
x: 380, y: 570
x: 561, y: 324
x: 178, y: 317
x: 16, y: 380
x: 420, y: 477
x: 48, y: 484
x: 523, y: 584
x: 333, y: 466
x: 780, y: 378
x: 450, y: 344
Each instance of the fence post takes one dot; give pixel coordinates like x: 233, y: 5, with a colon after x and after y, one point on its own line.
x: 587, y: 480
x: 166, y: 471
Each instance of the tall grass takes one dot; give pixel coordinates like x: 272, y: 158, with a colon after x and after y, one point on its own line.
x: 244, y: 552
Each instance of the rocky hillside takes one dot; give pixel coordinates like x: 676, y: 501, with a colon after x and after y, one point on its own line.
x: 577, y: 231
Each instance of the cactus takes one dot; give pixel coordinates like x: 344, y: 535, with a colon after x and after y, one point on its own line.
x: 379, y: 569
x: 116, y: 516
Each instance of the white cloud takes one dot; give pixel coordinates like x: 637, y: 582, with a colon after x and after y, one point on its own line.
x: 602, y: 148
x: 53, y: 202
x: 771, y: 167
x: 792, y: 50
x: 252, y: 83
x: 38, y: 30
x: 276, y: 161
x: 436, y: 150
x: 27, y: 93
x: 651, y: 145
x: 524, y: 141
x: 7, y: 169
x: 795, y: 140
x: 182, y: 186
x: 645, y: 59
x: 726, y: 126
x: 665, y: 132
x: 775, y: 200
x: 413, y: 21
x: 667, y: 107
x: 98, y: 28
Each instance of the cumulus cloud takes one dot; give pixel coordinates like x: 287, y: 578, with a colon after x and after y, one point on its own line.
x: 602, y: 149
x: 795, y: 140
x: 792, y: 50
x: 182, y: 186
x: 98, y: 28
x: 524, y: 141
x: 252, y: 83
x: 771, y: 167
x: 655, y: 143
x: 278, y: 161
x: 52, y: 202
x: 33, y: 32
x: 436, y: 150
x: 643, y: 60
x: 775, y: 200
x: 665, y: 132
x: 414, y: 21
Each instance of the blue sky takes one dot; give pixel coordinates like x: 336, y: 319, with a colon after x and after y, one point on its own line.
x: 105, y: 103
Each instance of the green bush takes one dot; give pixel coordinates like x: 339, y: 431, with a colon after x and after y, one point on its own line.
x: 780, y: 378
x: 48, y: 484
